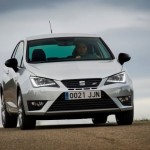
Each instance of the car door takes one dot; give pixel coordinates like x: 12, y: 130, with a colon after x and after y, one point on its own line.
x: 11, y: 77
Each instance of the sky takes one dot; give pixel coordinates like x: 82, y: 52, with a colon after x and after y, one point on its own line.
x: 123, y: 25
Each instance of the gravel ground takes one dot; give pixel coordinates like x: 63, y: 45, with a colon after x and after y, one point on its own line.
x: 78, y: 137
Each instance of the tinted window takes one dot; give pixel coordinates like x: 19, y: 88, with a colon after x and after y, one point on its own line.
x: 67, y: 49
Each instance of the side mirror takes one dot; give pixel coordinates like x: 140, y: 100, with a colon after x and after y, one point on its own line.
x: 12, y: 63
x: 123, y: 57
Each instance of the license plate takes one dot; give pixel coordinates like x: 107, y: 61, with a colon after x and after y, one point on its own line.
x: 82, y: 95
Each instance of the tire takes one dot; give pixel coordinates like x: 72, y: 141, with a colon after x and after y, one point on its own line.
x: 8, y: 120
x: 100, y: 119
x: 25, y: 122
x: 125, y: 118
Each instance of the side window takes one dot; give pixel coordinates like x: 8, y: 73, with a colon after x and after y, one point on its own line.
x: 14, y: 52
x: 18, y: 53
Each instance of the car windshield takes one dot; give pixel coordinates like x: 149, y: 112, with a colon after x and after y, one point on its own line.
x: 67, y: 49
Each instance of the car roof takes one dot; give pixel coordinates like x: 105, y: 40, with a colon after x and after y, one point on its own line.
x: 60, y: 35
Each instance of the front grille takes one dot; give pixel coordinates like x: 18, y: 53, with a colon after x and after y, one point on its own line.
x: 63, y: 105
x: 79, y: 83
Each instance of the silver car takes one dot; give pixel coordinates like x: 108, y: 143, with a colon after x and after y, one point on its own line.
x: 65, y: 76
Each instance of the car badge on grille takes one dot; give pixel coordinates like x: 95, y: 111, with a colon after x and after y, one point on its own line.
x: 82, y: 83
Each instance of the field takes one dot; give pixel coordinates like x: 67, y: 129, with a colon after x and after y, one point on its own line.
x: 78, y: 137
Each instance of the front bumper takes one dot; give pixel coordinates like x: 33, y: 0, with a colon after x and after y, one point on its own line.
x: 57, y: 107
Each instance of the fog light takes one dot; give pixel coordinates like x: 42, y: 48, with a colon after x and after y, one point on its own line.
x: 125, y: 100
x: 35, y: 105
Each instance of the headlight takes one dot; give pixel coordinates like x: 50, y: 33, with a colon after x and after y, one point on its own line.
x: 43, y: 82
x: 117, y: 78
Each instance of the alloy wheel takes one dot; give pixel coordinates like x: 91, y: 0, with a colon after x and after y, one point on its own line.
x: 3, y: 110
x: 20, y: 111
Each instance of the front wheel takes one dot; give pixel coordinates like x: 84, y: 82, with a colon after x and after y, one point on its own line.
x: 8, y: 120
x: 25, y: 122
x: 125, y: 118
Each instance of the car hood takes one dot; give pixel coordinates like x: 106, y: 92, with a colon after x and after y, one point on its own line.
x: 75, y: 69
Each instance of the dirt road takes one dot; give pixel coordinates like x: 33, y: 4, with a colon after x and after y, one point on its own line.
x: 78, y: 137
